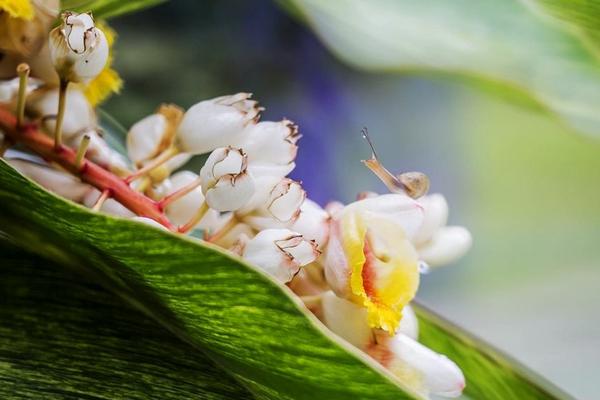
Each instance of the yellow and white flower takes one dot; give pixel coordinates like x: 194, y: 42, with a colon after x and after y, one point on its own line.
x: 370, y: 259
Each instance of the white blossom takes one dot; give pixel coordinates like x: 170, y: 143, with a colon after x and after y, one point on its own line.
x: 79, y: 50
x: 79, y: 115
x: 225, y: 181
x: 184, y: 208
x: 280, y: 252
x: 216, y: 123
x: 110, y: 206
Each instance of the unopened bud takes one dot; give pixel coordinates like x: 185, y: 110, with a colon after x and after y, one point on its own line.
x: 216, y: 123
x: 271, y: 142
x: 225, y: 181
x: 79, y: 50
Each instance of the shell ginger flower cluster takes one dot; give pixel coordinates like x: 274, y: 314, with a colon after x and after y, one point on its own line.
x: 355, y: 266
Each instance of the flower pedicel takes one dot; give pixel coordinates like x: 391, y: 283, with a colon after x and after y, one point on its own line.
x: 356, y: 266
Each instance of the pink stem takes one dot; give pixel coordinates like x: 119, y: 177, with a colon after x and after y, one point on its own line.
x: 88, y: 171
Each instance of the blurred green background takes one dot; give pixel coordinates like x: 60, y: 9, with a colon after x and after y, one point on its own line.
x: 526, y: 186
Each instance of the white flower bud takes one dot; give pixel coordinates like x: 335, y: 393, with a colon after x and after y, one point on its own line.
x: 59, y: 182
x: 265, y: 176
x: 280, y: 252
x: 447, y: 245
x: 99, y: 151
x: 225, y: 181
x: 79, y: 50
x: 145, y: 136
x: 216, y: 123
x: 285, y: 200
x: 420, y: 368
x: 153, y: 134
x: 110, y: 206
x: 282, y: 205
x: 10, y: 88
x: 79, y: 114
x: 312, y: 223
x: 270, y: 142
x: 183, y: 209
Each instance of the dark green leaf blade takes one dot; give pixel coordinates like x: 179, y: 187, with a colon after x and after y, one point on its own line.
x: 64, y: 337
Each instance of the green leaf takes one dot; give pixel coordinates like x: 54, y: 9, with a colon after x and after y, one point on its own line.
x: 507, y: 44
x: 243, y: 320
x: 246, y: 323
x: 104, y: 9
x: 64, y: 337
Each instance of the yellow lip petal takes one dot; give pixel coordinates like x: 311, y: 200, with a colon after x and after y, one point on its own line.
x: 383, y: 266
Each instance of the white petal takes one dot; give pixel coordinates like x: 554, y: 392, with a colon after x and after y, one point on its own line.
x: 285, y: 200
x: 270, y: 142
x: 266, y: 176
x: 59, y: 182
x: 232, y: 164
x: 93, y: 61
x: 337, y: 270
x: 346, y: 320
x: 435, y: 215
x: 110, y: 206
x: 423, y: 369
x: 280, y: 252
x: 397, y: 208
x: 183, y: 209
x: 216, y: 123
x: 312, y: 223
x: 221, y: 162
x: 10, y: 88
x: 79, y: 114
x: 230, y: 193
x: 446, y: 246
x: 145, y: 136
x: 409, y: 324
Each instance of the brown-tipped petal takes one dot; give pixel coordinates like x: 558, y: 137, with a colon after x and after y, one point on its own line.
x: 280, y: 252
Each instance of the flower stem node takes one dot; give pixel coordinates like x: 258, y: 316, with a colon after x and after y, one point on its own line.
x: 78, y: 49
x: 225, y: 180
x: 280, y: 252
x: 216, y: 123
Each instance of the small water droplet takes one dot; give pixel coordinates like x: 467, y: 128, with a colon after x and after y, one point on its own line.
x: 424, y: 268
